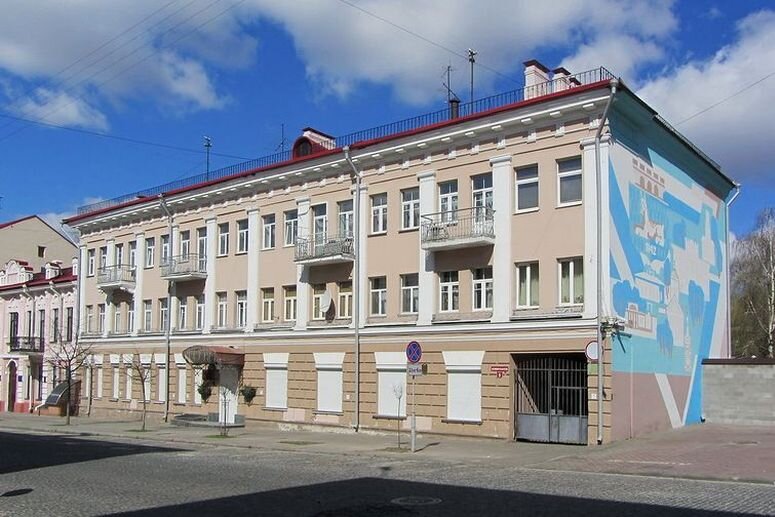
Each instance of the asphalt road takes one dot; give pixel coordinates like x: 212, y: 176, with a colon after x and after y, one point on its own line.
x: 48, y: 475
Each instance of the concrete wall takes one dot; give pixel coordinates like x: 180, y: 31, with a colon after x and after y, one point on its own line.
x: 739, y: 391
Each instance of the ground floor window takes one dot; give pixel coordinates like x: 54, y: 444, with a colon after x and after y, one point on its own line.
x: 182, y: 385
x: 276, y: 365
x: 329, y: 370
x: 391, y: 396
x: 464, y: 385
x: 115, y: 382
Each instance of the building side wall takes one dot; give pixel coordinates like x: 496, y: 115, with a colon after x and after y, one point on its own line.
x: 20, y: 241
x: 739, y: 394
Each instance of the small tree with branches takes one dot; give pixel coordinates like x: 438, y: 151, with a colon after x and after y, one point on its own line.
x: 71, y: 357
x: 144, y: 374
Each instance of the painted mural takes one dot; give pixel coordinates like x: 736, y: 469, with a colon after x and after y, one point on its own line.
x: 667, y: 283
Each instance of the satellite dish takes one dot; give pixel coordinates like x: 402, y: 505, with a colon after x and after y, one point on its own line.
x: 325, y: 302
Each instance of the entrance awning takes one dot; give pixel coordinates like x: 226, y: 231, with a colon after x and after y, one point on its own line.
x: 200, y: 355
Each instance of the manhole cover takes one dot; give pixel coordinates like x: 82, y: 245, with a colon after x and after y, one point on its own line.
x: 415, y: 500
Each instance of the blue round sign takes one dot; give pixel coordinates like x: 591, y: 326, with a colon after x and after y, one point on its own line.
x: 413, y: 352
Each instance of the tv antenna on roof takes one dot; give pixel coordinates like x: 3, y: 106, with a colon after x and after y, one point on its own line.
x: 208, y: 143
x: 281, y: 146
x: 447, y: 85
x: 472, y: 59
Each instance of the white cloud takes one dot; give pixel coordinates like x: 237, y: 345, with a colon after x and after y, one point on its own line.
x: 55, y: 218
x: 622, y: 54
x: 736, y: 133
x: 60, y: 108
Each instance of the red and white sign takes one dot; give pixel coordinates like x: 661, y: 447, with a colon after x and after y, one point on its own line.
x: 499, y: 369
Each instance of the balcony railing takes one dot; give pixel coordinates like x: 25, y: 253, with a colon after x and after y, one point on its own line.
x: 325, y: 248
x: 118, y: 276
x: 26, y: 344
x: 185, y: 267
x: 461, y: 228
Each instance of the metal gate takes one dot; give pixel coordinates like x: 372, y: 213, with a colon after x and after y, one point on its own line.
x: 551, y: 398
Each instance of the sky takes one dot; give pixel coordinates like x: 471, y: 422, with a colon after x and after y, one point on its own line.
x: 154, y: 76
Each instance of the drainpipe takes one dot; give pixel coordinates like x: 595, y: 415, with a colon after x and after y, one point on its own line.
x: 598, y: 181
x: 170, y: 288
x: 729, y: 278
x: 356, y: 286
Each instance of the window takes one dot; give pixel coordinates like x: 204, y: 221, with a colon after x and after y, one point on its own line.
x: 482, y: 288
x: 223, y: 310
x: 164, y: 314
x: 346, y: 218
x: 42, y: 322
x: 182, y: 388
x: 130, y: 319
x: 318, y: 311
x: 197, y: 383
x: 185, y: 243
x: 481, y: 190
x: 450, y: 291
x: 103, y: 257
x: 379, y: 296
x: 56, y: 334
x: 464, y: 395
x: 147, y: 382
x: 128, y: 385
x: 165, y: 249
x: 242, y: 309
x: 527, y: 187
x: 182, y: 312
x: 101, y: 317
x: 320, y: 223
x: 201, y: 242
x: 269, y: 225
x: 150, y: 251
x: 527, y: 284
x: 41, y: 251
x: 119, y: 255
x: 200, y: 312
x: 448, y: 200
x: 277, y: 387
x: 267, y: 304
x: 379, y: 213
x: 289, y: 296
x: 90, y: 262
x: 391, y: 392
x: 115, y: 382
x: 100, y: 381
x: 345, y: 305
x: 291, y: 227
x: 69, y: 323
x: 410, y: 208
x: 329, y: 388
x: 569, y: 180
x: 223, y: 239
x: 571, y: 281
x: 410, y: 293
x: 117, y: 320
x: 133, y: 254
x: 161, y: 378
x: 147, y: 315
x: 242, y: 236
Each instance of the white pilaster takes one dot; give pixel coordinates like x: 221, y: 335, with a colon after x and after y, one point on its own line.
x: 253, y: 268
x: 139, y: 273
x: 426, y: 275
x: 363, y: 280
x: 110, y: 308
x: 174, y: 307
x: 212, y: 249
x: 82, y: 272
x: 302, y: 280
x: 502, y: 277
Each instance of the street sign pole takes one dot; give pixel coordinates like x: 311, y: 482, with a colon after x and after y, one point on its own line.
x: 413, y: 355
x: 414, y: 414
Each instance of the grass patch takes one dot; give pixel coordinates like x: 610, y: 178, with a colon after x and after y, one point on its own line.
x: 219, y: 436
x: 395, y: 449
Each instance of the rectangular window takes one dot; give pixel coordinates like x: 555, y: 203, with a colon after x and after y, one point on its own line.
x: 277, y: 388
x: 269, y: 233
x: 200, y: 312
x: 242, y: 236
x: 448, y: 200
x: 147, y: 382
x: 242, y: 309
x: 133, y: 254
x: 150, y: 251
x: 318, y: 311
x: 571, y: 281
x: 42, y: 323
x: 119, y: 254
x: 267, y: 304
x: 185, y: 243
x: 164, y: 314
x: 182, y: 312
x: 69, y: 322
x: 320, y: 223
x: 117, y: 320
x: 330, y: 389
x: 182, y: 387
x: 410, y: 293
x: 101, y: 317
x: 527, y: 285
x: 223, y: 310
x: 482, y: 288
x: 201, y: 242
x: 223, y: 239
x: 527, y: 187
x: 346, y: 218
x: 90, y: 262
x: 569, y: 180
x: 378, y: 296
x: 165, y: 249
x: 345, y: 305
x: 130, y: 319
x: 391, y: 393
x: 128, y: 384
x: 161, y: 378
x: 379, y: 213
x: 464, y: 396
x: 291, y: 227
x: 56, y: 334
x: 147, y: 315
x: 449, y: 291
x: 481, y: 190
x: 103, y: 257
x: 100, y: 381
x: 289, y: 296
x: 115, y: 382
x: 410, y: 208
x: 197, y: 383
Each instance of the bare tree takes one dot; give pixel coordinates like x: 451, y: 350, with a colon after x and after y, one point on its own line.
x: 753, y: 291
x: 71, y: 357
x: 144, y: 373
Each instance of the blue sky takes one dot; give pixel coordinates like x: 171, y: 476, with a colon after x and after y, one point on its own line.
x: 171, y: 71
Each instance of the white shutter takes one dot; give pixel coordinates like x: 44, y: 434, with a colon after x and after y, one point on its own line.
x: 162, y: 377
x: 115, y: 382
x: 330, y: 390
x: 182, y: 388
x: 464, y: 396
x: 277, y: 388
x: 390, y: 383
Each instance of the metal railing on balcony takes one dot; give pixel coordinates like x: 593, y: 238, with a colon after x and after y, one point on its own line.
x: 191, y: 264
x: 458, y: 225
x: 26, y: 344
x: 465, y: 109
x: 121, y: 273
x: 323, y: 246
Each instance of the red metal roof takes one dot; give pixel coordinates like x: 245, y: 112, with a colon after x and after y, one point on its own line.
x: 65, y: 275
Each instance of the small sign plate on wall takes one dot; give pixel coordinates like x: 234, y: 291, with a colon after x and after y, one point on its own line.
x: 592, y: 351
x: 499, y: 370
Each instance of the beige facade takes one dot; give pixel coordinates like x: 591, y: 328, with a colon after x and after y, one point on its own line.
x: 32, y: 240
x: 475, y: 240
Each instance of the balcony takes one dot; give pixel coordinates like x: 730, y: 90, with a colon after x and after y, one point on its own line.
x: 324, y: 249
x: 181, y: 268
x: 121, y: 277
x: 463, y: 228
x: 27, y: 344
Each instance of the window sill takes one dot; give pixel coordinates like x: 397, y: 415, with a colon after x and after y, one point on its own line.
x: 241, y: 252
x: 278, y: 409
x: 178, y: 403
x: 388, y: 417
x: 377, y: 234
x: 222, y: 255
x: 267, y: 249
x: 333, y: 413
x: 459, y: 421
x: 566, y: 205
x: 408, y: 230
x: 526, y: 211
x: 113, y: 399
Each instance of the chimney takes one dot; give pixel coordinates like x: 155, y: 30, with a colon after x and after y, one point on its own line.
x: 454, y: 107
x: 561, y: 79
x: 536, y: 79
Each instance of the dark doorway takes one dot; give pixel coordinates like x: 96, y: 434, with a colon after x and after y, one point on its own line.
x: 11, y: 386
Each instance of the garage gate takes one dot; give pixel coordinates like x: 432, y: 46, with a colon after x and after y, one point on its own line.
x: 551, y: 398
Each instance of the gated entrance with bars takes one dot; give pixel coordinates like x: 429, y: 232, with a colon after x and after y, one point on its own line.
x: 550, y: 396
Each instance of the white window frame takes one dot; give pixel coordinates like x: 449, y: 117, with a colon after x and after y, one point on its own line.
x: 116, y: 389
x: 379, y: 213
x: 378, y: 295
x: 269, y: 224
x: 242, y: 236
x: 182, y: 312
x: 147, y: 315
x: 291, y: 227
x: 103, y: 257
x: 447, y: 291
x: 101, y: 311
x: 164, y: 314
x: 320, y: 222
x: 482, y: 196
x: 530, y: 269
x: 524, y: 182
x: 223, y: 239
x: 318, y: 290
x: 165, y: 249
x: 410, y: 209
x: 150, y: 252
x: 448, y: 201
x: 289, y: 305
x: 182, y: 385
x: 201, y: 242
x: 572, y: 263
x: 223, y: 310
x: 413, y: 293
x: 119, y: 259
x: 345, y: 306
x: 185, y: 243
x: 569, y: 174
x: 200, y: 312
x: 267, y: 305
x: 241, y: 312
x: 133, y: 254
x: 346, y: 221
x: 130, y: 319
x: 479, y: 289
x: 90, y: 262
x: 117, y: 320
